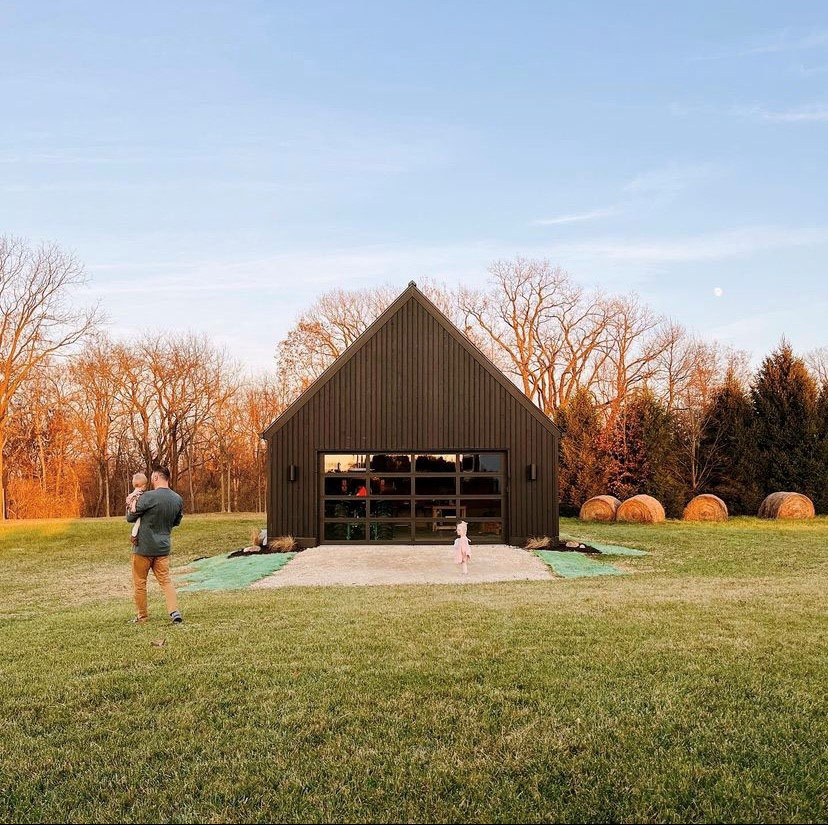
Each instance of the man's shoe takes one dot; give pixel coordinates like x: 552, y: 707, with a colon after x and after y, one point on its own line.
x: 176, y: 617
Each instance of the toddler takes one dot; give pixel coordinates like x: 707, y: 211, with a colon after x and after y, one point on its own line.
x: 462, y: 548
x: 139, y: 487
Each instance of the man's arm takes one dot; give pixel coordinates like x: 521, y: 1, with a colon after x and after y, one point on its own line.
x: 179, y: 515
x: 143, y: 504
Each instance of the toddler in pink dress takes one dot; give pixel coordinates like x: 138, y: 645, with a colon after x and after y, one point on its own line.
x: 462, y: 548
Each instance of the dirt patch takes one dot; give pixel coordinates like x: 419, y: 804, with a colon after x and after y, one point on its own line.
x: 405, y: 564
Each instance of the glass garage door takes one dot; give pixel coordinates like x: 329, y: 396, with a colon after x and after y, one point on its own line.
x: 412, y: 497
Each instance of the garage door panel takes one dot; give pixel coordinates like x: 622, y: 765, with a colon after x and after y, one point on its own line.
x: 412, y: 497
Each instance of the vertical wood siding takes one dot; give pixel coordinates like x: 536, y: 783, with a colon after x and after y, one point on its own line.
x: 411, y: 387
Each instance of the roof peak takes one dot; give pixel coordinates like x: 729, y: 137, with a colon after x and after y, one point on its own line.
x: 408, y: 294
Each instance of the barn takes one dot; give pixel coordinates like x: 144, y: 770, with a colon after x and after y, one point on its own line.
x: 411, y: 429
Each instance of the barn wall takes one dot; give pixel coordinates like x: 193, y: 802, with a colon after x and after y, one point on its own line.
x: 413, y: 386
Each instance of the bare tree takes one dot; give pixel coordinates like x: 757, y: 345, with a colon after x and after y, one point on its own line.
x: 635, y: 339
x: 98, y: 382
x: 514, y: 314
x: 322, y: 333
x: 37, y: 320
x: 817, y: 362
x: 262, y: 399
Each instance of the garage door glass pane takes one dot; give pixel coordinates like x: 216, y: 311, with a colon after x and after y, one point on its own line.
x: 485, y: 529
x: 345, y: 463
x: 390, y: 486
x: 339, y: 486
x: 434, y: 507
x: 480, y: 507
x: 481, y: 485
x: 481, y: 463
x: 390, y: 531
x: 390, y: 508
x: 345, y: 509
x: 435, y: 463
x: 435, y: 486
x: 435, y: 530
x: 391, y: 463
x: 352, y: 531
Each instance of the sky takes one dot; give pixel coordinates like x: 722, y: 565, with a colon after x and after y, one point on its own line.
x: 215, y: 166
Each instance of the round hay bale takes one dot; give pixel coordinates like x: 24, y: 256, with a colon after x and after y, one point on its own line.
x: 786, y: 505
x: 640, y: 510
x: 599, y: 508
x: 705, y: 507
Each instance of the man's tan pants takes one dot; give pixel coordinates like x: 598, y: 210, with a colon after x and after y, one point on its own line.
x: 160, y: 566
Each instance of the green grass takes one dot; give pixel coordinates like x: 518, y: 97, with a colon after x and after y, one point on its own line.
x: 691, y: 690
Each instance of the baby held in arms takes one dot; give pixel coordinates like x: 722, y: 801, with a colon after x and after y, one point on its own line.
x: 139, y: 487
x: 462, y: 548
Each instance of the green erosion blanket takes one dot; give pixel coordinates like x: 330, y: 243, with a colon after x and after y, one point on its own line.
x: 575, y: 565
x: 224, y: 573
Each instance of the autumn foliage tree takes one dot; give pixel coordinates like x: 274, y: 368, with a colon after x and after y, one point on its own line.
x: 643, y: 405
x: 37, y: 320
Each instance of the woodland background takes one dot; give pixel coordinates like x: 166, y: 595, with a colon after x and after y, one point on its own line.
x: 644, y: 405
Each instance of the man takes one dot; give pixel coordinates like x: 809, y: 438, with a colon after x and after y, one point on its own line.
x: 159, y: 509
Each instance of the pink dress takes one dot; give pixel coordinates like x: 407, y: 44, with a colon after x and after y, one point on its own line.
x: 462, y: 549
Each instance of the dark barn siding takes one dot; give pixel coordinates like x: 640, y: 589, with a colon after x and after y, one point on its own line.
x: 410, y: 386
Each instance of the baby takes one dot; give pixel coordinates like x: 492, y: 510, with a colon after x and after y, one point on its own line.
x: 462, y: 548
x: 139, y: 487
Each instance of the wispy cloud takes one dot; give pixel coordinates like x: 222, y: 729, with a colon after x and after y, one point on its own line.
x: 576, y: 217
x: 655, y: 187
x: 668, y: 181
x: 810, y: 113
x: 754, y: 331
x: 810, y: 71
x: 735, y: 243
x: 219, y: 295
x: 310, y: 271
x: 785, y: 40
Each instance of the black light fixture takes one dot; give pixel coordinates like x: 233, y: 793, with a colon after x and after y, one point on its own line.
x: 293, y: 471
x: 531, y: 472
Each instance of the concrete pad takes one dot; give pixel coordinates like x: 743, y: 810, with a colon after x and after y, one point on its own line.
x: 362, y: 564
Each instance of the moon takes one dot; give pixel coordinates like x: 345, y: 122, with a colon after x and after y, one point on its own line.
x: 718, y: 291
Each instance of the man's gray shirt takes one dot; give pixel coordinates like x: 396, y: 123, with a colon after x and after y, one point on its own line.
x: 159, y: 510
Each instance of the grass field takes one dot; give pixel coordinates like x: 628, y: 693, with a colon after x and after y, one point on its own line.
x: 692, y: 689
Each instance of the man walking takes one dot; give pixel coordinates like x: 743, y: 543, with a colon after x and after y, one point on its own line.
x: 159, y: 509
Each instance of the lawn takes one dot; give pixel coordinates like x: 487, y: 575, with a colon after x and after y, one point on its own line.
x: 693, y: 689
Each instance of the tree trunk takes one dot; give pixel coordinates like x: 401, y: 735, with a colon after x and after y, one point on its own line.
x: 3, y: 513
x: 106, y: 489
x: 192, y: 488
x: 100, y: 492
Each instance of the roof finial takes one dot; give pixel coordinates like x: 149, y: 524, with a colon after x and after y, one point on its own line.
x: 412, y: 283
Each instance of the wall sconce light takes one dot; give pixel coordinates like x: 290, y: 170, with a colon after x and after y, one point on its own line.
x: 293, y: 472
x: 531, y: 472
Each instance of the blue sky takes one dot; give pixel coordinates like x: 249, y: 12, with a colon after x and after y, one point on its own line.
x: 216, y: 165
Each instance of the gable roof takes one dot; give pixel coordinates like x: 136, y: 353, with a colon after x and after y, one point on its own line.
x: 411, y: 292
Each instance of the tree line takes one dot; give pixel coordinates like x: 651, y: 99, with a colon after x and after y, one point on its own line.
x: 644, y: 406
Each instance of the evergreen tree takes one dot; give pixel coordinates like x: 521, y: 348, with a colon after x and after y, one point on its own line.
x: 583, y: 462
x: 727, y: 449
x: 643, y: 454
x: 786, y: 425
